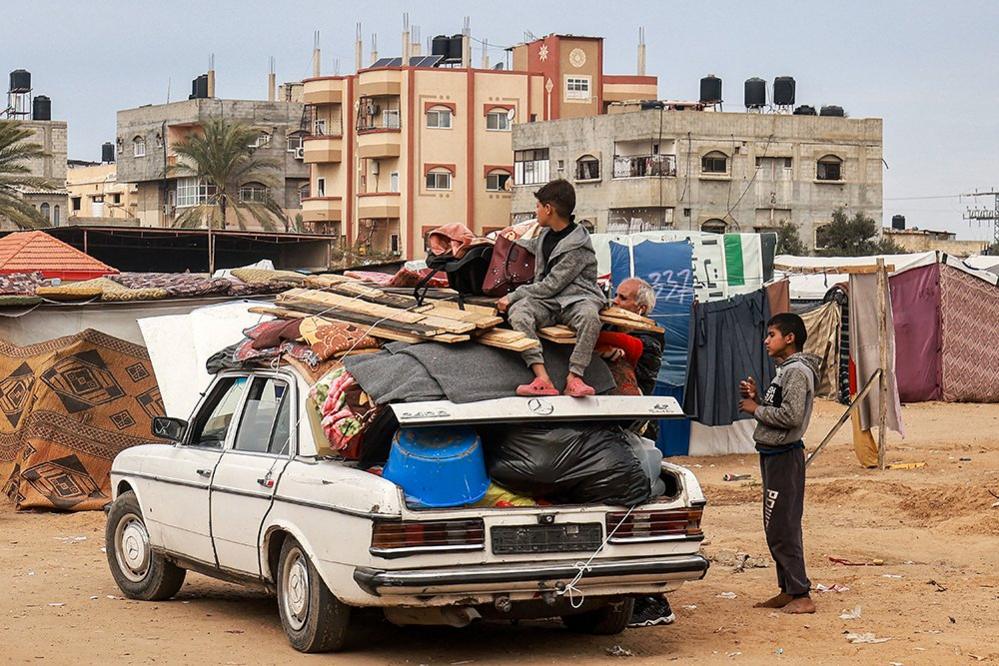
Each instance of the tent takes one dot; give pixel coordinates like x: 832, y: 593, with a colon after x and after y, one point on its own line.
x: 809, y: 286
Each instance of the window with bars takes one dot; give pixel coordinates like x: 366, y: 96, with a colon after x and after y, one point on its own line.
x: 498, y: 121
x: 194, y: 192
x: 439, y: 118
x: 587, y: 168
x: 253, y: 193
x: 531, y: 167
x: 714, y: 162
x: 577, y: 87
x: 829, y: 167
x: 138, y: 147
x: 439, y: 180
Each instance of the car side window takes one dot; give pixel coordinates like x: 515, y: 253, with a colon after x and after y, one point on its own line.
x: 264, y: 426
x: 212, y: 423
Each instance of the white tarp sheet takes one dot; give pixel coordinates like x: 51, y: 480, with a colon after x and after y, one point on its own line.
x: 813, y: 286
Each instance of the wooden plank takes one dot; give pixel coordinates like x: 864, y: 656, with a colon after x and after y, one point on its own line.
x: 373, y: 295
x: 414, y: 329
x: 481, y: 321
x: 557, y: 332
x: 506, y: 339
x: 376, y: 331
x: 557, y: 339
x: 632, y: 325
x: 883, y: 360
x: 867, y: 269
x: 326, y: 280
x: 469, y: 307
x: 337, y: 303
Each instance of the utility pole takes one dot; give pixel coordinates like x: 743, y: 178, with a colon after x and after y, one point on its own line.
x: 984, y: 213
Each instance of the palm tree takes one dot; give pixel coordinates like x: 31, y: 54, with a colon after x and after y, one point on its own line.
x: 15, y: 151
x: 223, y: 158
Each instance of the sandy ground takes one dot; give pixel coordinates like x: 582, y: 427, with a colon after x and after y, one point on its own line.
x: 936, y: 595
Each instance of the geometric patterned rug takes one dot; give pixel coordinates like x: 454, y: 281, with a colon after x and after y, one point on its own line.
x: 67, y: 407
x: 969, y: 325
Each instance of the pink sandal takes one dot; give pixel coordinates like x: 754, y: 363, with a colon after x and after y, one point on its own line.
x: 539, y: 387
x: 577, y: 388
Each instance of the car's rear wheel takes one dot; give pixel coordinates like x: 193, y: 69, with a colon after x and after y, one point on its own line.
x: 611, y: 618
x: 313, y: 619
x: 139, y: 572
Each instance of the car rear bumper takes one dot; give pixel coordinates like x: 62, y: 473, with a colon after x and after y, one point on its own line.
x: 536, y: 576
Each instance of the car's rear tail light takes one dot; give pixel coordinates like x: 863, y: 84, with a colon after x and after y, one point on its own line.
x: 641, y: 526
x: 401, y: 538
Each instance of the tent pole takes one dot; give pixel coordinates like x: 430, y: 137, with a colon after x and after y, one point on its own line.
x: 846, y: 416
x: 883, y: 360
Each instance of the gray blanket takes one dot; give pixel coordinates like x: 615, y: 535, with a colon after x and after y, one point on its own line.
x: 460, y: 373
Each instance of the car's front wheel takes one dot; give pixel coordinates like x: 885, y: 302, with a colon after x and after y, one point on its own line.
x: 139, y: 572
x: 611, y: 618
x: 313, y: 619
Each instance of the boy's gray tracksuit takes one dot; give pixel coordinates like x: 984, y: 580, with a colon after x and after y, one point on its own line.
x: 564, y: 291
x: 782, y: 419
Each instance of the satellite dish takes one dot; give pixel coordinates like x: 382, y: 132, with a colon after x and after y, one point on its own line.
x: 511, y: 114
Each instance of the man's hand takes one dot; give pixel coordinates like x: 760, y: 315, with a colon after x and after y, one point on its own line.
x: 748, y: 405
x: 612, y: 354
x: 747, y: 388
x: 503, y: 304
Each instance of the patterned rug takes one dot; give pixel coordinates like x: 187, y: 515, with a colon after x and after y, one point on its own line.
x: 969, y: 312
x: 67, y: 407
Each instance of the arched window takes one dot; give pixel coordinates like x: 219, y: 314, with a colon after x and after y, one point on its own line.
x: 497, y: 180
x: 714, y: 226
x: 498, y: 120
x: 439, y: 117
x: 46, y: 213
x: 138, y: 147
x: 587, y: 168
x: 438, y: 179
x: 714, y: 162
x: 253, y: 193
x: 829, y: 167
x: 55, y: 216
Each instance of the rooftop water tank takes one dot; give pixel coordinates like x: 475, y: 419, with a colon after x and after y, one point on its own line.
x: 439, y: 46
x: 755, y: 93
x: 20, y: 80
x: 107, y: 152
x: 784, y: 91
x: 832, y: 110
x: 805, y: 110
x: 41, y: 108
x: 454, y: 47
x: 199, y: 87
x: 711, y: 90
x: 898, y: 222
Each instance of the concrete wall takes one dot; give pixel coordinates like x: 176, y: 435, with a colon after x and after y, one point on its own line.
x: 744, y: 198
x: 95, y: 189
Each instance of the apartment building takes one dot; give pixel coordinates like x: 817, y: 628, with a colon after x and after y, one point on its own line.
x: 95, y: 194
x: 396, y: 150
x: 51, y: 135
x: 659, y: 166
x: 145, y: 158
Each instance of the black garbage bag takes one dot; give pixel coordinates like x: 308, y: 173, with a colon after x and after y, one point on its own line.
x: 572, y: 465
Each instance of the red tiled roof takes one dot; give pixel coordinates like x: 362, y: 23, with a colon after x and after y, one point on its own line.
x: 29, y: 251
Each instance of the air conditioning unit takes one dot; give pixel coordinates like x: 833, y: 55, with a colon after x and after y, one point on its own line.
x: 300, y: 153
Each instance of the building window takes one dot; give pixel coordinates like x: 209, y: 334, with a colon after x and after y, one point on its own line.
x: 75, y: 203
x: 138, y: 147
x: 320, y: 187
x: 587, y: 168
x: 714, y: 226
x: 714, y: 162
x: 394, y: 181
x: 394, y: 245
x: 293, y: 143
x: 55, y: 216
x: 390, y: 119
x: 829, y: 167
x: 439, y: 118
x: 320, y: 127
x: 194, y: 192
x: 439, y: 180
x: 46, y: 212
x: 116, y: 198
x: 303, y: 193
x: 577, y: 87
x: 260, y: 140
x: 253, y: 193
x: 531, y: 167
x: 498, y: 121
x: 497, y: 181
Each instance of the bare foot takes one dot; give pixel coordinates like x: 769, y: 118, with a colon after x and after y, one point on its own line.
x: 779, y: 601
x: 800, y: 606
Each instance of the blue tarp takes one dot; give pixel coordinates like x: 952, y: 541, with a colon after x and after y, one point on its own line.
x: 668, y: 267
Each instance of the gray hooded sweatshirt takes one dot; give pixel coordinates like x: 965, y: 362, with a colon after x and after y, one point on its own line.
x: 786, y: 406
x: 568, y: 276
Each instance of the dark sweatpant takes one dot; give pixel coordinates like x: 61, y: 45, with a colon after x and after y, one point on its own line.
x: 783, y: 477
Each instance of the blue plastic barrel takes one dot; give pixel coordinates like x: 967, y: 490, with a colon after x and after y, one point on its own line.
x: 438, y: 467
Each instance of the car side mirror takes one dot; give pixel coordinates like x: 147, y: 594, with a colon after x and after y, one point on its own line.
x: 169, y: 428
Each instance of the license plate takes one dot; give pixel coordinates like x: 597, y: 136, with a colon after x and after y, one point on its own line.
x: 562, y: 538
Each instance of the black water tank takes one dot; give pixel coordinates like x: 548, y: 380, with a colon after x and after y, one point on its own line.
x: 784, y: 91
x: 756, y: 93
x: 440, y: 45
x: 898, y: 222
x: 711, y: 89
x: 805, y: 110
x: 832, y: 110
x: 454, y: 48
x: 41, y: 108
x: 107, y: 152
x: 199, y: 87
x: 20, y: 80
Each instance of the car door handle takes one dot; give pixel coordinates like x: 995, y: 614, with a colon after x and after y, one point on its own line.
x: 204, y: 472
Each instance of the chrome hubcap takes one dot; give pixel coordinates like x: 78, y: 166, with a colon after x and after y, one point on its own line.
x: 132, y: 547
x: 295, y: 589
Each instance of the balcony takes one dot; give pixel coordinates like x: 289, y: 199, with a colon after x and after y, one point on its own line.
x: 378, y: 205
x: 322, y: 149
x: 379, y: 142
x: 378, y: 82
x: 322, y: 209
x: 323, y: 90
x: 644, y: 166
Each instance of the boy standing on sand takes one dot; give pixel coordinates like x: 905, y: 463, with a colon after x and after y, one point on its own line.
x: 782, y: 418
x: 564, y: 291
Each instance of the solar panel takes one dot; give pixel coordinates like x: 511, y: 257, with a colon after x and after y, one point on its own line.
x: 394, y: 62
x: 381, y: 62
x: 425, y: 61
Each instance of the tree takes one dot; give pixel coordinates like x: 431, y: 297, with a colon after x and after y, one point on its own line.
x: 223, y: 158
x: 789, y: 241
x: 15, y: 151
x: 855, y: 236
